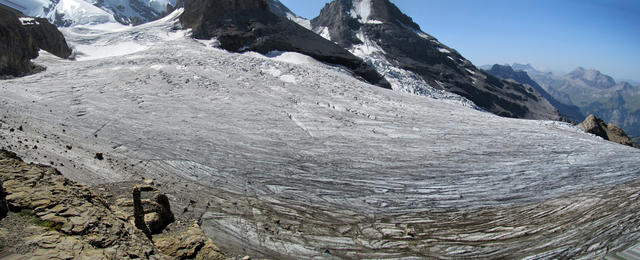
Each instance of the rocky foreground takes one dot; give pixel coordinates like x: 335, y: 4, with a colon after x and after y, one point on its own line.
x: 54, y: 218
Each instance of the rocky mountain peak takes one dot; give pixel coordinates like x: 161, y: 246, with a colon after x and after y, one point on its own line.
x: 592, y: 77
x: 347, y: 16
x: 378, y: 32
x: 523, y: 67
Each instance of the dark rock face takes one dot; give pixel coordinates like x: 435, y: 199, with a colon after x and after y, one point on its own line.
x: 17, y: 45
x: 406, y: 46
x: 3, y: 202
x: 248, y: 25
x: 609, y: 132
x: 48, y: 38
x: 20, y: 39
x: 506, y: 72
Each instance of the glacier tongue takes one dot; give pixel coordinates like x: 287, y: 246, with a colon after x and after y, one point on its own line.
x: 329, y: 162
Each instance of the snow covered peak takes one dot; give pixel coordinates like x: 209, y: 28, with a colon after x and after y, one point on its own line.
x: 74, y: 12
x: 137, y: 11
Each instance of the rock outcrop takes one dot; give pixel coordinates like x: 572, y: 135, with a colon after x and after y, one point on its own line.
x: 248, y: 25
x: 507, y: 72
x: 20, y: 39
x: 609, y: 132
x: 60, y: 219
x: 189, y: 243
x: 379, y: 32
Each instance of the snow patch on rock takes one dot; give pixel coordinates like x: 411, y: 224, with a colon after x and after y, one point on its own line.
x: 324, y: 32
x: 28, y: 21
x: 362, y: 10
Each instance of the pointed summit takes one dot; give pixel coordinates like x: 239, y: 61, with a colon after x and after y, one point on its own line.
x: 415, y: 62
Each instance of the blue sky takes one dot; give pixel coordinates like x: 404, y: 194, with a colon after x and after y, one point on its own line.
x: 557, y: 35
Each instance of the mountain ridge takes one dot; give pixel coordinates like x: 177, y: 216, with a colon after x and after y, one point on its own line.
x: 507, y: 72
x: 378, y: 31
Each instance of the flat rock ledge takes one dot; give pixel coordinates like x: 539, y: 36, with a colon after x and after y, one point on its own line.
x: 52, y: 217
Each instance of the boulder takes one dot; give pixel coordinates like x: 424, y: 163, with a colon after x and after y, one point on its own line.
x: 611, y: 132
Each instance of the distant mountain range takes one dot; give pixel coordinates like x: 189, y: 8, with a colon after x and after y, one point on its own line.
x: 594, y: 93
x: 572, y: 112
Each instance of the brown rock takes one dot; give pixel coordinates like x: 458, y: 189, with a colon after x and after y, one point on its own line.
x: 66, y: 220
x: 188, y: 243
x: 75, y: 222
x: 616, y: 134
x: 610, y: 132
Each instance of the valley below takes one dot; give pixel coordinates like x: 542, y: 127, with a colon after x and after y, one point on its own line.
x: 298, y: 160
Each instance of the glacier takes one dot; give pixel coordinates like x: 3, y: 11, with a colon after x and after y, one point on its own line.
x: 283, y: 157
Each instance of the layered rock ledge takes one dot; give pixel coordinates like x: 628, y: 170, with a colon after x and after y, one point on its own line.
x: 56, y: 218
